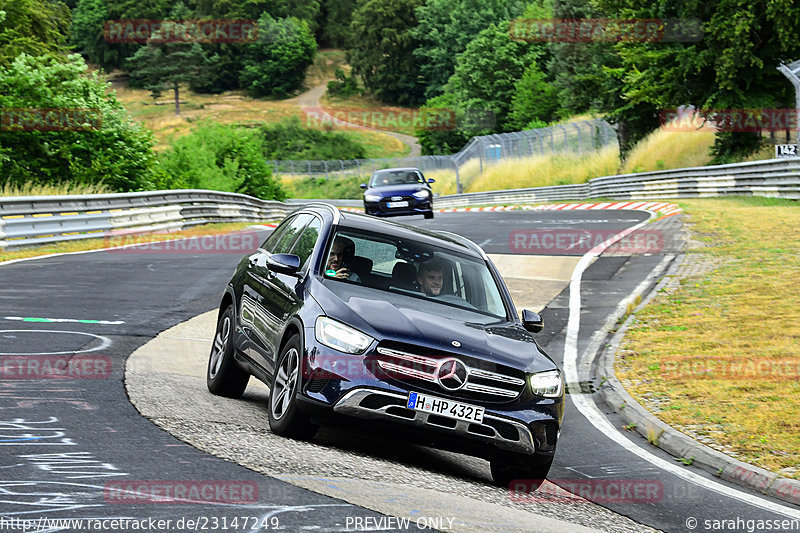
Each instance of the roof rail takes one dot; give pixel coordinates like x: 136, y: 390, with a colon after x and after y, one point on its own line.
x: 334, y: 211
x: 463, y: 240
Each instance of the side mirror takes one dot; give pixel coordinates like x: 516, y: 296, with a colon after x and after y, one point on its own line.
x: 363, y: 185
x: 431, y: 180
x: 284, y: 263
x: 532, y: 321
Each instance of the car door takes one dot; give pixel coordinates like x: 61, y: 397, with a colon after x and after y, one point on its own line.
x: 267, y: 295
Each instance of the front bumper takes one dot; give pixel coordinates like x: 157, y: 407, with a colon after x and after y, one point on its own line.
x: 367, y: 404
x: 346, y: 388
x: 415, y: 207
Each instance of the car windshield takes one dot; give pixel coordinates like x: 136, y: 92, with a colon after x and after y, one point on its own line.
x: 396, y: 177
x: 411, y: 268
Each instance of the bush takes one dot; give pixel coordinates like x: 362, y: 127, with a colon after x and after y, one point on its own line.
x: 116, y: 150
x: 223, y: 158
x: 290, y: 140
x: 343, y: 86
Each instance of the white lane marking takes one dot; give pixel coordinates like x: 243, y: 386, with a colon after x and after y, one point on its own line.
x: 590, y: 411
x: 105, y: 342
x: 78, y: 320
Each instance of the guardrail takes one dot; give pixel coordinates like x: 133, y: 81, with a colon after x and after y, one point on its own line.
x: 33, y: 220
x: 778, y: 178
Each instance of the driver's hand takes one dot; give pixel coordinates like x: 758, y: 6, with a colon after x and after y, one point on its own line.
x: 342, y: 273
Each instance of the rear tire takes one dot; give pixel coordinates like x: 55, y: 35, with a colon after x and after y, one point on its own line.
x: 429, y: 215
x: 224, y: 377
x: 285, y: 418
x: 506, y: 470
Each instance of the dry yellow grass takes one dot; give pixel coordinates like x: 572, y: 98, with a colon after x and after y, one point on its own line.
x: 236, y: 107
x: 719, y: 357
x: 35, y: 189
x: 664, y: 149
x: 446, y: 179
x: 229, y: 107
x: 546, y: 170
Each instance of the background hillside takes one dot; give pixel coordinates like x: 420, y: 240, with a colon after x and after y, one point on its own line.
x: 211, y: 113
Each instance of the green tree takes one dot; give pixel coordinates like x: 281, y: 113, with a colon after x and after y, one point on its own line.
x: 159, y: 66
x: 225, y: 74
x: 382, y: 50
x: 87, y: 34
x: 308, y: 10
x: 535, y: 98
x: 335, y: 28
x: 444, y: 29
x: 113, y: 149
x: 32, y: 27
x: 162, y: 67
x: 486, y: 76
x: 222, y: 157
x: 275, y: 65
x: 733, y: 65
x: 442, y: 135
x: 90, y: 16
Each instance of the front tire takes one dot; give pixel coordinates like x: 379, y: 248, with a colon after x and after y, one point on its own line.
x: 507, y: 469
x: 224, y: 377
x: 285, y: 418
x: 429, y: 214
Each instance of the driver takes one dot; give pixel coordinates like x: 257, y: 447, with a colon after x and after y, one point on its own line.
x: 431, y: 277
x: 342, y: 252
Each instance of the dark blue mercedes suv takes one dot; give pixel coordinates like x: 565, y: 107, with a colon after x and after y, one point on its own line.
x: 398, y: 191
x: 350, y: 318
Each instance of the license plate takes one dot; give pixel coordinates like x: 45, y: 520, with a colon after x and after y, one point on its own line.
x: 396, y: 204
x: 443, y: 407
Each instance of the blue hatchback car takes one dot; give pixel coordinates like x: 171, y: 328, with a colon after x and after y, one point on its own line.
x: 398, y: 191
x: 355, y: 320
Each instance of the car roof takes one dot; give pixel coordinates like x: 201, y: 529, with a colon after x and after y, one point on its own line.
x: 391, y: 228
x: 397, y: 169
x: 360, y: 221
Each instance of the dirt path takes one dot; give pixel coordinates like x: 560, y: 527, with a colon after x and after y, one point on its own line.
x: 310, y: 100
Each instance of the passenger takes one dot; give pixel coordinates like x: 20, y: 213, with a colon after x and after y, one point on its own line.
x: 342, y: 252
x: 431, y: 277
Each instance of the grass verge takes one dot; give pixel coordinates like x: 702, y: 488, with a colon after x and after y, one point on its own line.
x: 36, y: 189
x: 718, y: 356
x: 119, y: 240
x: 342, y: 188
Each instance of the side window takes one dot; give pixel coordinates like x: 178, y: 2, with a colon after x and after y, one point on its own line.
x: 306, y: 242
x: 284, y: 243
x: 275, y: 236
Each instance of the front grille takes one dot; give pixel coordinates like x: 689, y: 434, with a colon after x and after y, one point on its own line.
x: 423, y: 371
x: 385, y: 200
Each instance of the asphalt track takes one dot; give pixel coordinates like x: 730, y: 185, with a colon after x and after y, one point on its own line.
x: 62, y: 441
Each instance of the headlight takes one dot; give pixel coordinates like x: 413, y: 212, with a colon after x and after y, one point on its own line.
x: 336, y: 335
x: 547, y: 384
x: 372, y: 197
x: 421, y: 195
